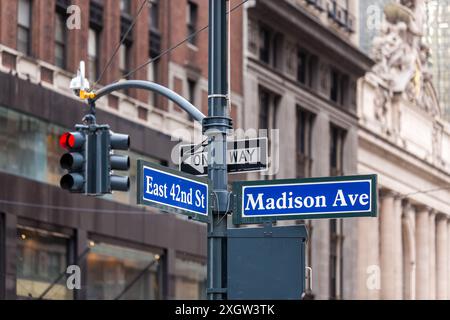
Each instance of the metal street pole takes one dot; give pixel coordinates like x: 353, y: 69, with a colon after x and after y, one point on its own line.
x: 216, y: 126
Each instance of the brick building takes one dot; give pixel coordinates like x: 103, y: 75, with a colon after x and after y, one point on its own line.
x: 42, y: 228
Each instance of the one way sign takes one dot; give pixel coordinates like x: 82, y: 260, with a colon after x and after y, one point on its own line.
x: 243, y: 156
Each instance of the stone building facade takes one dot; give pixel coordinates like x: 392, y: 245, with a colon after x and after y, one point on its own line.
x: 42, y: 228
x: 295, y: 67
x: 404, y: 138
x: 301, y: 67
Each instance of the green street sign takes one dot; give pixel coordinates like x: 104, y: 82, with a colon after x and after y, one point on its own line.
x: 300, y: 199
x: 172, y: 191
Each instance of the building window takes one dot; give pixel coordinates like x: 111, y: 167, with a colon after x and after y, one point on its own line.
x: 154, y: 15
x: 192, y: 17
x: 270, y: 46
x: 268, y: 102
x: 344, y: 93
x: 93, y: 54
x: 307, y: 68
x: 123, y: 273
x: 124, y: 59
x: 60, y: 41
x: 304, y: 141
x: 339, y: 89
x: 190, y: 281
x: 334, y: 94
x: 192, y: 85
x: 267, y: 109
x: 337, y: 141
x: 153, y: 76
x: 24, y: 26
x: 264, y: 45
x: 36, y: 154
x: 125, y: 6
x: 336, y: 259
x: 155, y: 47
x: 42, y: 257
x: 301, y: 66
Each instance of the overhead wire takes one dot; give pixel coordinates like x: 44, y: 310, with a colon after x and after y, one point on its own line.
x: 143, y: 210
x: 189, y: 37
x: 122, y: 40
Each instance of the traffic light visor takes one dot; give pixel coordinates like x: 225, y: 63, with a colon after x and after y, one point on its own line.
x: 71, y: 140
x: 71, y: 161
x: 72, y: 182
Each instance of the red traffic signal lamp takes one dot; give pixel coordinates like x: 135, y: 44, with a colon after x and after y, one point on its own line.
x: 91, y: 161
x: 72, y: 140
x: 73, y: 161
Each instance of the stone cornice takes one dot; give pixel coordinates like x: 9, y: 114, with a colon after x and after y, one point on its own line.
x: 331, y: 44
x: 385, y: 146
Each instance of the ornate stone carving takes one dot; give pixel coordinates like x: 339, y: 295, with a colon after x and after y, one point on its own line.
x: 402, y: 60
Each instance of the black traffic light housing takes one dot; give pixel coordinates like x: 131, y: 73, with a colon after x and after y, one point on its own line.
x: 91, y: 161
x: 119, y: 162
x: 73, y: 161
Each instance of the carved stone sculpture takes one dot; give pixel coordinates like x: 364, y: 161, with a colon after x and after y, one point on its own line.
x: 402, y: 60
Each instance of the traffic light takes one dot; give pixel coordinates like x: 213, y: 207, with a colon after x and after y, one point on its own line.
x: 91, y: 162
x: 118, y: 162
x: 73, y: 161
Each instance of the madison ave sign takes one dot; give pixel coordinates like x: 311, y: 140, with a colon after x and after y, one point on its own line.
x: 313, y: 198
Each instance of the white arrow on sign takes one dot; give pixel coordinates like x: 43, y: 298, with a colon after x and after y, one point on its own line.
x: 242, y: 155
x: 198, y: 161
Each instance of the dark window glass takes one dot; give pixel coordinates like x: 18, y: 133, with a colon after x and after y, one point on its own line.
x: 36, y: 154
x: 154, y: 74
x: 313, y: 66
x: 264, y: 105
x: 191, y: 90
x: 264, y: 45
x: 304, y: 139
x: 41, y: 258
x: 60, y: 41
x: 277, y: 50
x: 336, y: 262
x: 192, y: 18
x: 334, y: 94
x: 122, y: 273
x: 337, y: 140
x: 344, y: 87
x: 24, y: 26
x: 93, y: 54
x: 154, y: 15
x: 124, y: 59
x: 125, y: 6
x: 301, y: 67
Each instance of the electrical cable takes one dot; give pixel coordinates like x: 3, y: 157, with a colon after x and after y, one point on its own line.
x: 62, y: 208
x: 144, y: 211
x: 189, y: 37
x: 120, y: 43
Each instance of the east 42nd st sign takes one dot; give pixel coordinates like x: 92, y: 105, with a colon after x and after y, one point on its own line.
x: 312, y: 198
x: 173, y: 191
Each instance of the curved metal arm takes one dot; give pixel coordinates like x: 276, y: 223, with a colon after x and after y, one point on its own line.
x: 151, y: 86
